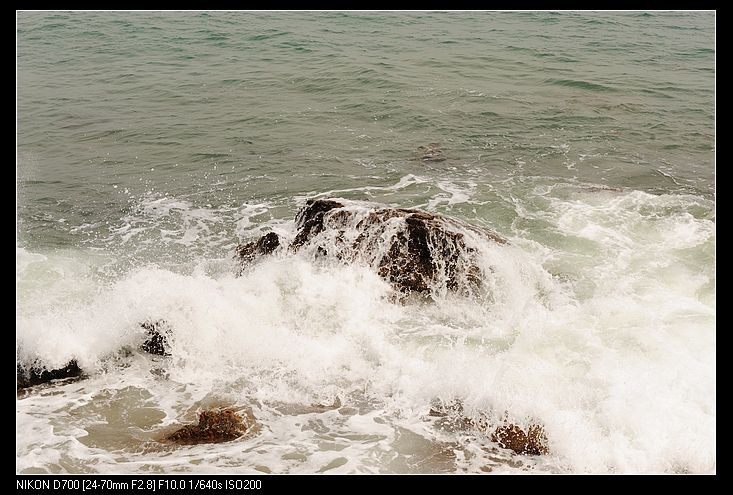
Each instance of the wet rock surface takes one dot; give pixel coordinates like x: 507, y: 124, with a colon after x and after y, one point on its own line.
x: 158, y: 335
x: 530, y: 441
x: 33, y: 375
x: 265, y: 245
x: 214, y: 426
x: 414, y: 250
x: 310, y: 220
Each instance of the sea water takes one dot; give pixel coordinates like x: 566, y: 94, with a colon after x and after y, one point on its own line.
x: 149, y: 144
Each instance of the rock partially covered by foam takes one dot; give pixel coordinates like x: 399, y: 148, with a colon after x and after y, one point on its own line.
x: 416, y: 251
x: 158, y: 335
x: 531, y: 442
x: 310, y: 220
x: 157, y: 341
x: 214, y: 426
x: 508, y: 435
x: 36, y: 375
x: 266, y: 244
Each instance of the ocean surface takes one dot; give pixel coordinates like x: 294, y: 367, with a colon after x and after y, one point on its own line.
x: 150, y: 144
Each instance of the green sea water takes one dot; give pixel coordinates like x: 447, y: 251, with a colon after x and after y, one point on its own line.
x: 226, y: 107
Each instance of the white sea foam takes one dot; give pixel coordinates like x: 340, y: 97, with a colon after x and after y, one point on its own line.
x: 187, y: 222
x: 453, y: 193
x: 609, y: 342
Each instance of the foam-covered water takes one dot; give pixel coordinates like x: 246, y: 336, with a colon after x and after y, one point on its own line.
x: 597, y: 319
x: 607, y: 339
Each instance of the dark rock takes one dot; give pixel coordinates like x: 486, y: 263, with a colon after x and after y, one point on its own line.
x: 531, y: 442
x: 450, y: 417
x: 215, y: 426
x: 309, y: 220
x: 412, y: 249
x: 411, y: 262
x: 265, y: 245
x: 35, y: 375
x: 158, y: 336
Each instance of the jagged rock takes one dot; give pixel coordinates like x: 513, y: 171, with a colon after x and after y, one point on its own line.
x: 266, y: 244
x: 310, y: 220
x: 158, y: 333
x: 532, y: 442
x: 412, y: 249
x: 215, y: 426
x: 34, y: 375
x: 450, y: 417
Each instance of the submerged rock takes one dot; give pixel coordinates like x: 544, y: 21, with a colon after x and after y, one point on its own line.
x: 158, y: 336
x: 508, y: 435
x: 215, y: 426
x: 415, y: 251
x: 602, y: 188
x: 35, y: 375
x: 430, y: 153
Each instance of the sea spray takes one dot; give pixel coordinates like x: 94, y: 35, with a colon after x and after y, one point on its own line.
x: 627, y: 368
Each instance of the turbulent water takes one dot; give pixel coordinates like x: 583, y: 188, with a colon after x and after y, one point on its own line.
x: 150, y: 144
